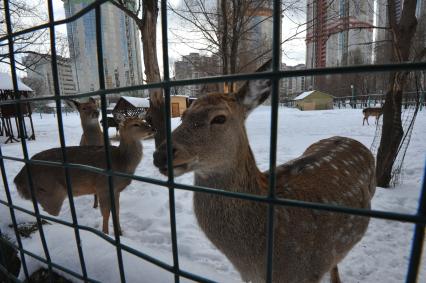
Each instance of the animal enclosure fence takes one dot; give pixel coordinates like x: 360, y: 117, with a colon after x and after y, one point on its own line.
x: 419, y: 219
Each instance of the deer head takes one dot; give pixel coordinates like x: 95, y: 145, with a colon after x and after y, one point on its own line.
x: 88, y: 110
x: 212, y: 135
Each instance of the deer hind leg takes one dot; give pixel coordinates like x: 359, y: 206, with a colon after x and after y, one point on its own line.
x: 334, y: 275
x: 51, y: 201
x: 365, y: 119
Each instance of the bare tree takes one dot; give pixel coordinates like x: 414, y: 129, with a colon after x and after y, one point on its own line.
x: 402, y: 34
x: 24, y: 14
x: 225, y: 28
x: 145, y: 14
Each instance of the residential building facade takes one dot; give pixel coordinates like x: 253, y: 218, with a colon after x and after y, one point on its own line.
x: 39, y: 69
x: 292, y: 86
x: 120, y: 43
x: 194, y: 66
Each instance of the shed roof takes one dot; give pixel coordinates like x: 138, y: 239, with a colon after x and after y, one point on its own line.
x: 305, y: 94
x: 137, y: 101
x: 7, y: 84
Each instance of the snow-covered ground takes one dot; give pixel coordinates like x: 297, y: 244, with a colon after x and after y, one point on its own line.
x: 382, y: 255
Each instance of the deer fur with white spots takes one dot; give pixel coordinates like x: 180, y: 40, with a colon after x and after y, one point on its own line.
x: 212, y: 142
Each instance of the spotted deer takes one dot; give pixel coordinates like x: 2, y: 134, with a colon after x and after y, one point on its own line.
x: 370, y: 111
x: 212, y: 142
x: 92, y: 133
x: 49, y: 181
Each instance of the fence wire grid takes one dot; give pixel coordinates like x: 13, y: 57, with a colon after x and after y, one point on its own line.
x: 419, y: 219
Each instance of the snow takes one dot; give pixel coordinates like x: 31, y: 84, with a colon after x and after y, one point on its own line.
x: 137, y: 101
x: 381, y: 256
x: 7, y: 84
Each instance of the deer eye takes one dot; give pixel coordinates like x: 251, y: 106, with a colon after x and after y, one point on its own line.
x: 218, y: 119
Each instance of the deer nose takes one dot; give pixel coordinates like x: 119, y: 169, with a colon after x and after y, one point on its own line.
x: 160, y: 156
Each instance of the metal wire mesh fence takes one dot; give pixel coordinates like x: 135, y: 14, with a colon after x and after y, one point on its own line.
x: 419, y: 219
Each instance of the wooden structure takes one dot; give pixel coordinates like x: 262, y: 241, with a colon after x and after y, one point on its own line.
x: 131, y: 106
x: 313, y: 100
x: 178, y: 104
x: 9, y: 112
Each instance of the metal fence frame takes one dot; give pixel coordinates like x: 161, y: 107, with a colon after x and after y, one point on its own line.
x: 419, y: 219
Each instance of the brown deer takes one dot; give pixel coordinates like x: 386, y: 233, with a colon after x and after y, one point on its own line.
x: 212, y: 142
x: 49, y: 181
x: 371, y: 111
x: 92, y: 133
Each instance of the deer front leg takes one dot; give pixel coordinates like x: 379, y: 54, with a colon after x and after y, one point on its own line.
x: 334, y: 275
x: 117, y: 211
x: 105, y: 211
x: 95, y: 201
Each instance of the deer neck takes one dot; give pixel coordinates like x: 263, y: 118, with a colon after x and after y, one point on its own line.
x: 91, y: 128
x: 242, y: 175
x: 130, y: 153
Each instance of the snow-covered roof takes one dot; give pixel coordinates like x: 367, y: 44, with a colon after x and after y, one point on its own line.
x: 53, y: 104
x: 303, y: 95
x: 7, y: 84
x: 137, y: 101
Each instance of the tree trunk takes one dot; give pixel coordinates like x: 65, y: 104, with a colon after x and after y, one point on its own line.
x: 392, y: 131
x: 152, y: 71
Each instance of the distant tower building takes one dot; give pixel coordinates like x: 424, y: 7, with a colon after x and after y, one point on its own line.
x: 255, y: 46
x: 339, y: 33
x: 383, y: 45
x: 39, y: 71
x: 121, y: 47
x: 194, y: 66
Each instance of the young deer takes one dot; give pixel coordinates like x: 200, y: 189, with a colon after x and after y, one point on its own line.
x: 212, y: 141
x: 377, y: 112
x: 92, y: 133
x: 49, y: 181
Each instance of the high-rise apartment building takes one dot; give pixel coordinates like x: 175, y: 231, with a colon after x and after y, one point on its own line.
x: 339, y: 33
x: 39, y: 70
x: 121, y: 47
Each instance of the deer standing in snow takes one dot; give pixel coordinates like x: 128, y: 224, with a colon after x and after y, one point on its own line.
x: 49, y: 181
x: 372, y: 111
x: 92, y: 133
x: 212, y: 142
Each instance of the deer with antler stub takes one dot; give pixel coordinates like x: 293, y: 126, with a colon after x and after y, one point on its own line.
x: 92, y: 133
x: 212, y: 142
x: 49, y: 181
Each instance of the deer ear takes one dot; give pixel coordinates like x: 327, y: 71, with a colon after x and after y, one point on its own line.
x: 73, y: 103
x: 255, y: 92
